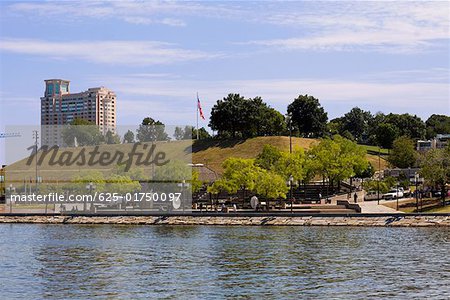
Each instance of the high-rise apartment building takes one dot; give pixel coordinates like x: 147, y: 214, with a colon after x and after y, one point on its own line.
x: 60, y: 107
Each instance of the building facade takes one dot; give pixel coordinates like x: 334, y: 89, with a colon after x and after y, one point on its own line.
x: 60, y: 107
x: 439, y: 142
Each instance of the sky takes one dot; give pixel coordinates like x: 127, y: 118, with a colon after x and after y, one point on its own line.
x: 157, y: 55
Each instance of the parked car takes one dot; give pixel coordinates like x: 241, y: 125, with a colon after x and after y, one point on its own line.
x: 393, y: 194
x: 406, y: 193
x: 372, y: 195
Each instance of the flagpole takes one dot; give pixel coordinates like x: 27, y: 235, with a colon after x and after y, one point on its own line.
x: 197, y: 115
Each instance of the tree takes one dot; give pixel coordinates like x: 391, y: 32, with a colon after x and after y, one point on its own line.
x: 270, y: 185
x: 238, y: 173
x: 128, y: 137
x: 337, y: 159
x: 112, y: 138
x: 368, y: 172
x: 190, y: 132
x: 80, y: 181
x: 335, y: 126
x: 437, y: 124
x: 83, y: 133
x: 294, y: 164
x: 242, y: 173
x: 122, y: 184
x: 435, y: 168
x: 407, y: 125
x: 228, y: 117
x: 196, y: 183
x: 202, y: 134
x: 268, y: 158
x: 309, y: 119
x: 174, y: 171
x: 235, y: 116
x: 385, y: 135
x: 179, y: 133
x: 403, y: 153
x: 151, y: 130
x: 356, y: 122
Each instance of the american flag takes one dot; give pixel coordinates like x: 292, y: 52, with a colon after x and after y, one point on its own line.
x: 199, y: 106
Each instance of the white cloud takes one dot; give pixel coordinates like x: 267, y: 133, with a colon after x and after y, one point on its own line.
x: 368, y: 26
x: 401, y: 26
x: 421, y: 98
x: 135, y: 53
x: 135, y: 12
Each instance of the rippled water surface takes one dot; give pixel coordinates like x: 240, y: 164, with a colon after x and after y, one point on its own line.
x: 109, y: 262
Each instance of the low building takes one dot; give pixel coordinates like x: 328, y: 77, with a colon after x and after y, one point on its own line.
x: 439, y: 142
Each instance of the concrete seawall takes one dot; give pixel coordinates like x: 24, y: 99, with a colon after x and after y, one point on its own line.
x: 394, y: 221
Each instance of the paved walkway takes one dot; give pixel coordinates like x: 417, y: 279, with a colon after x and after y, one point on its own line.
x: 366, y: 206
x: 373, y: 207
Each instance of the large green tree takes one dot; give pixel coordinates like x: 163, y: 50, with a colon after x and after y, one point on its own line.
x: 337, y: 159
x: 435, y: 168
x: 437, y: 124
x: 128, y: 137
x: 112, y: 138
x: 82, y: 133
x: 407, y: 125
x: 244, y: 174
x: 357, y: 122
x: 386, y: 134
x: 234, y: 116
x: 309, y: 119
x: 403, y: 153
x: 151, y: 130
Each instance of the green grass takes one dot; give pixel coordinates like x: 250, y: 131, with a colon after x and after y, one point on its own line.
x: 213, y: 152
x: 444, y: 209
x: 209, y: 152
x: 373, y: 150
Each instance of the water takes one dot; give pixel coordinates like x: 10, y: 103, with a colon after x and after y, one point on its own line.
x: 110, y: 262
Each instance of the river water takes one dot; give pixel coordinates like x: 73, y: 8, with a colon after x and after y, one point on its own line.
x: 212, y: 262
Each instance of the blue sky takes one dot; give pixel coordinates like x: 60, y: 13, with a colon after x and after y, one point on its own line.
x: 380, y: 56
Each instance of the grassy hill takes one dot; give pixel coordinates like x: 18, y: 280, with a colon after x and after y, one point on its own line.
x: 209, y: 152
x: 212, y: 153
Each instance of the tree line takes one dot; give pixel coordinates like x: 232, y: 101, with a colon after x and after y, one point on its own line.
x: 237, y: 117
x: 333, y: 159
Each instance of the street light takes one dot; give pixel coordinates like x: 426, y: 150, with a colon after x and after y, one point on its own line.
x: 416, y: 179
x: 90, y: 187
x: 10, y: 189
x: 397, y: 196
x: 291, y: 180
x: 184, y: 186
x: 289, y: 121
x: 379, y: 175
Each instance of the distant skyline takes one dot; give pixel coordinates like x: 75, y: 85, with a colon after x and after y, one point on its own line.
x: 379, y: 56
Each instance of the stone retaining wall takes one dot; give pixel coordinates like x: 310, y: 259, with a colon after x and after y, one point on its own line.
x: 404, y: 221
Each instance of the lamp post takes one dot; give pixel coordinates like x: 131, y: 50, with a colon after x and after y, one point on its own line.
x: 36, y: 136
x: 291, y: 180
x: 10, y: 189
x: 416, y: 179
x: 90, y: 187
x: 379, y: 176
x: 289, y: 121
x: 184, y: 186
x: 397, y: 196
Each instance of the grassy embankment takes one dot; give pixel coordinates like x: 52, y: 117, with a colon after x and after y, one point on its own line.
x: 209, y: 152
x: 213, y: 153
